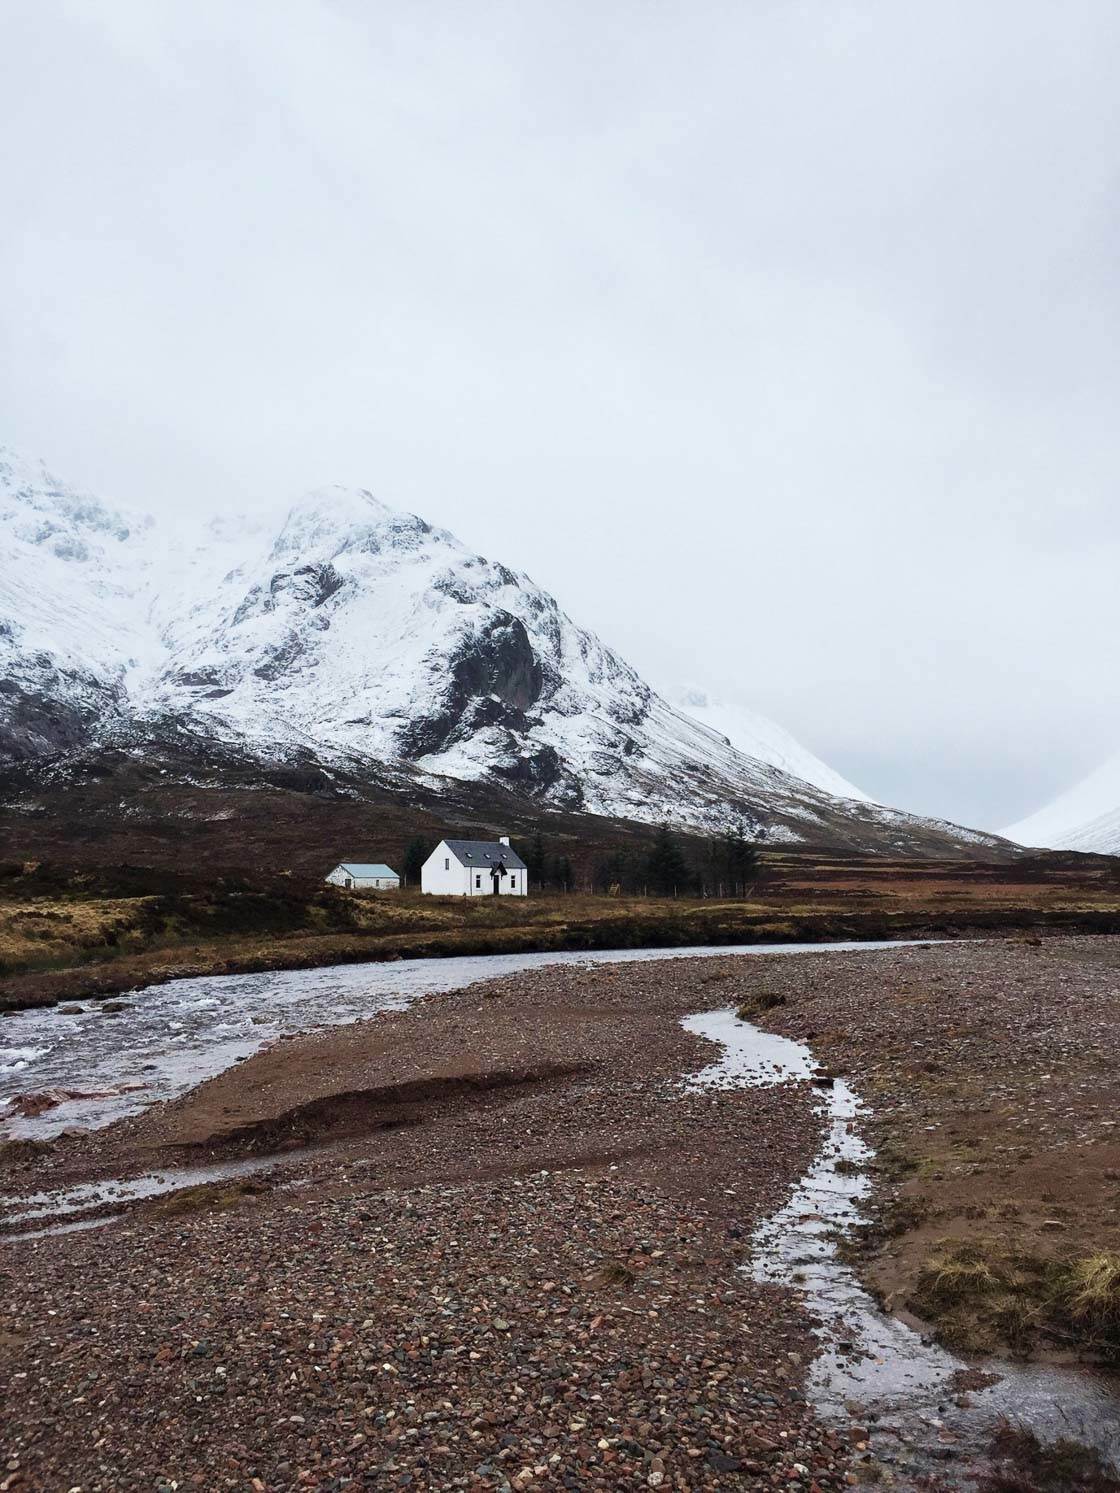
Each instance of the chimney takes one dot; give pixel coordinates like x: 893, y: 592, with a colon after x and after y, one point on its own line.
x: 503, y: 839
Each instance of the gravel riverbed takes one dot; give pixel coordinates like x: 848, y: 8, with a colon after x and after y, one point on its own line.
x: 503, y: 1252
x: 498, y: 1246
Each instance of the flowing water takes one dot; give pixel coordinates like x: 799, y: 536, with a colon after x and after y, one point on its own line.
x: 168, y: 1038
x: 872, y: 1366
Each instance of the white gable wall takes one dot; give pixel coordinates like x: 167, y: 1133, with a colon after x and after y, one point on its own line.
x: 443, y: 876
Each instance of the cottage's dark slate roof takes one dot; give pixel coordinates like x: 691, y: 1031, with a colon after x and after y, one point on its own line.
x: 485, y: 853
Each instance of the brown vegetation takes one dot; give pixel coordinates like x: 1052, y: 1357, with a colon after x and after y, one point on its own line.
x: 84, y: 931
x: 984, y: 1293
x: 994, y: 1092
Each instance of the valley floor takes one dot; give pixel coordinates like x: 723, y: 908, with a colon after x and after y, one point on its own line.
x: 87, y: 933
x: 498, y: 1244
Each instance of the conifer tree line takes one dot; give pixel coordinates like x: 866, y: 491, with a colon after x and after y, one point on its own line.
x: 726, y: 866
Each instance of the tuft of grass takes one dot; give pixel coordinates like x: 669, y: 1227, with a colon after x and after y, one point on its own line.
x: 1091, y: 1289
x: 210, y: 1197
x: 759, y: 1002
x: 613, y: 1273
x: 960, y: 1274
x: 982, y: 1293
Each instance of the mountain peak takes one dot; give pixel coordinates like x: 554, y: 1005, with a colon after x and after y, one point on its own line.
x: 334, y: 518
x: 353, y: 634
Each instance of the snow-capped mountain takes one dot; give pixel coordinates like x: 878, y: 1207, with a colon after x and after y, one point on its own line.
x: 1086, y: 817
x: 756, y: 736
x: 345, y: 632
x: 71, y: 611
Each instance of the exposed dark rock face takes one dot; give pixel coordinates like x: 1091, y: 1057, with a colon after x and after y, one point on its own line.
x: 61, y: 715
x: 312, y: 584
x: 279, y: 659
x: 494, y: 678
x: 346, y: 638
x: 542, y: 772
x: 501, y: 662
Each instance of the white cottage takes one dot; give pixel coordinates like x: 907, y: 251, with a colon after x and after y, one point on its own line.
x: 360, y: 876
x: 474, y: 868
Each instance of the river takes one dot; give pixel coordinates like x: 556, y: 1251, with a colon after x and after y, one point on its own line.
x: 157, y: 1043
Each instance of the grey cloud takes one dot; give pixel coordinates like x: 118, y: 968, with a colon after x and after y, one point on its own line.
x: 778, y: 340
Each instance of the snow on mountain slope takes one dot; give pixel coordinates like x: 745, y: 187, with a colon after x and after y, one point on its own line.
x: 71, y: 624
x: 367, y: 632
x: 347, y: 633
x: 757, y: 736
x: 1086, y: 817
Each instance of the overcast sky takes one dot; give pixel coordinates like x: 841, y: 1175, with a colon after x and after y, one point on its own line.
x: 777, y: 339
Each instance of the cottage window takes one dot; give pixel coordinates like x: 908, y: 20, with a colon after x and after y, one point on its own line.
x: 447, y: 863
x: 478, y: 881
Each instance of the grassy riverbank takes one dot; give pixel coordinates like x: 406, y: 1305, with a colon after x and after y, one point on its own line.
x: 991, y: 1074
x: 71, y: 934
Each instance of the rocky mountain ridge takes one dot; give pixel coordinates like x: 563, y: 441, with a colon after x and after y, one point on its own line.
x: 360, y: 639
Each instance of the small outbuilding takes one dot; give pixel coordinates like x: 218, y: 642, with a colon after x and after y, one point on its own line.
x: 475, y: 868
x: 359, y: 876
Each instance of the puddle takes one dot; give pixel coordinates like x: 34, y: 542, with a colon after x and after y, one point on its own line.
x: 59, y: 1228
x: 88, y: 1195
x: 872, y: 1367
x: 113, y: 1193
x: 172, y: 1037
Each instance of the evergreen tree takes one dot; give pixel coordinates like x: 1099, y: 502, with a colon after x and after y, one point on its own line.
x: 414, y: 857
x: 735, y: 861
x: 743, y: 861
x: 666, y: 868
x: 617, y: 869
x: 534, y: 859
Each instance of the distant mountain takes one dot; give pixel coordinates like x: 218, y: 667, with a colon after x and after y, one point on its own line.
x: 1086, y: 817
x: 362, y: 640
x: 756, y: 736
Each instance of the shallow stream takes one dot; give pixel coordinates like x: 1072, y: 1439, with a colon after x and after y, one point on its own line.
x: 873, y: 1369
x: 157, y: 1043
